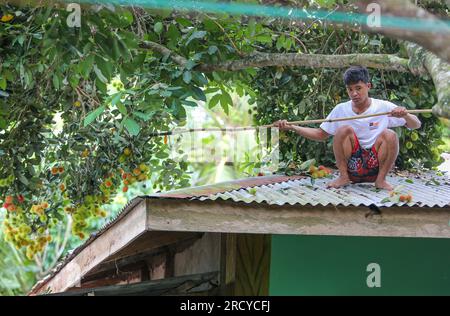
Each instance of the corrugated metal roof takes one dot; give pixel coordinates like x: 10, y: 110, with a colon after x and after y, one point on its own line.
x: 207, y: 190
x: 428, y: 189
x: 301, y: 192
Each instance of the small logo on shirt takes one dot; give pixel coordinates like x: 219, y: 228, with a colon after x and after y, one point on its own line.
x: 374, y: 125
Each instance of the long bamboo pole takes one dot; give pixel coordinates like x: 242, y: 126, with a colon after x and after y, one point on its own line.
x: 355, y: 117
x: 305, y: 122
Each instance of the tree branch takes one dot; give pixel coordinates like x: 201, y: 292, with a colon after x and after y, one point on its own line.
x: 436, y: 42
x: 439, y: 72
x: 164, y: 51
x: 378, y: 61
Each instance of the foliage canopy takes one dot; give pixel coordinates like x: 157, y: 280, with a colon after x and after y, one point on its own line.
x: 111, y: 92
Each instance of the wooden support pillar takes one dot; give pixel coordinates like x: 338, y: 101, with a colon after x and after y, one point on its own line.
x: 245, y: 264
x: 169, y: 270
x: 227, y: 273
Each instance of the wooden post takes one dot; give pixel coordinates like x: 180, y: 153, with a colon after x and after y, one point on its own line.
x: 227, y: 263
x: 252, y: 264
x: 245, y: 264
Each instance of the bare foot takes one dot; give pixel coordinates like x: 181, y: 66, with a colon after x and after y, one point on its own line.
x: 339, y: 182
x: 382, y: 184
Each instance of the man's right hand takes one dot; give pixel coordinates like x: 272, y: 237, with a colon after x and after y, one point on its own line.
x: 283, y: 125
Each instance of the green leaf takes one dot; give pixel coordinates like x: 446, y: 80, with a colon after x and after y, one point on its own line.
x: 224, y: 102
x: 212, y: 50
x: 23, y: 179
x: 227, y: 98
x: 101, y: 86
x: 55, y: 80
x: 105, y: 66
x: 129, y: 38
x: 127, y: 17
x: 162, y: 155
x: 85, y: 66
x: 198, y: 94
x: 409, y: 181
x: 3, y: 123
x: 326, y: 3
x: 210, y: 26
x: 214, y: 100
x: 385, y: 200
x: 251, y: 27
x: 216, y: 76
x: 305, y: 165
x: 132, y: 126
x: 200, y: 78
x: 115, y: 49
x: 196, y: 35
x: 240, y: 90
x: 124, y: 51
x: 188, y: 103
x: 93, y: 115
x: 280, y: 42
x: 122, y: 108
x: 158, y: 27
x: 184, y: 22
x: 211, y: 90
x: 187, y: 76
x: 173, y: 34
x: 100, y: 75
x: 143, y: 116
x: 21, y: 39
x: 2, y: 83
x: 74, y: 80
x: 116, y: 98
x: 264, y: 38
x: 165, y: 93
x: 190, y: 64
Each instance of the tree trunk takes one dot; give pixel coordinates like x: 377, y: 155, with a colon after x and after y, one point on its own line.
x: 436, y: 41
x: 258, y: 60
x: 439, y: 72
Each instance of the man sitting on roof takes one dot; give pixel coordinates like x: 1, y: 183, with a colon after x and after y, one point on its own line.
x: 365, y: 149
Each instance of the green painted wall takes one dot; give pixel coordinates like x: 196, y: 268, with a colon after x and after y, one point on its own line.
x: 329, y: 265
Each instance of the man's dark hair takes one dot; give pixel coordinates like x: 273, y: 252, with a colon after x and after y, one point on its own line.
x: 356, y: 74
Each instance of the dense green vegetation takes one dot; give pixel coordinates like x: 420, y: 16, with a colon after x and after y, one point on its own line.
x: 78, y: 106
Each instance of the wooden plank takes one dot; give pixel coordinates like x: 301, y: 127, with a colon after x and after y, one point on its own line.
x: 232, y: 217
x: 144, y: 249
x: 122, y: 272
x: 169, y: 269
x: 157, y: 266
x: 152, y: 240
x: 252, y: 264
x: 123, y: 277
x: 200, y: 257
x: 187, y: 284
x: 111, y: 241
x: 227, y: 272
x: 109, y: 267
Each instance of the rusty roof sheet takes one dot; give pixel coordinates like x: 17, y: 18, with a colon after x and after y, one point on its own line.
x: 208, y: 190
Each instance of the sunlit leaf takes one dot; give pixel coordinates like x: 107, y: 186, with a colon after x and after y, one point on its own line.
x: 93, y: 115
x: 132, y: 126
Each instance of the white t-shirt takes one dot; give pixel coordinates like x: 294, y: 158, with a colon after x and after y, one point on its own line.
x: 367, y: 129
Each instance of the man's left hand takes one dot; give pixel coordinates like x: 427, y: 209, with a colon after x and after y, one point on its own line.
x: 399, y: 111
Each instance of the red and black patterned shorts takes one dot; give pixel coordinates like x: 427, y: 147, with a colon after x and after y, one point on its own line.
x: 363, y: 164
